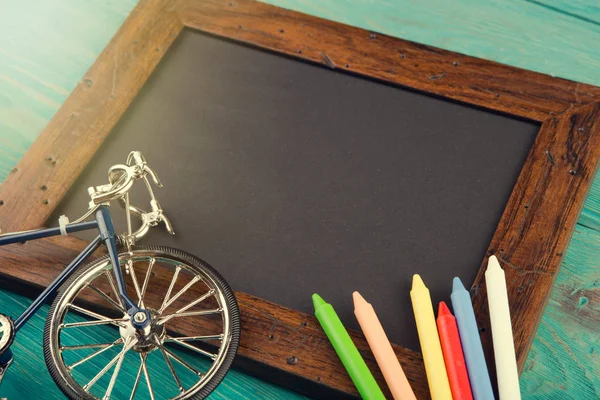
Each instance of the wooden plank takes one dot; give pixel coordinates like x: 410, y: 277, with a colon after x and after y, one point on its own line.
x: 26, y: 377
x: 44, y: 172
x: 512, y: 32
x: 517, y: 253
x: 430, y: 24
x: 46, y: 47
x: 564, y: 359
x: 346, y: 48
x: 548, y: 191
x: 583, y: 10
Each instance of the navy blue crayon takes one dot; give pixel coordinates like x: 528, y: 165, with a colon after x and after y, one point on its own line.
x: 479, y: 377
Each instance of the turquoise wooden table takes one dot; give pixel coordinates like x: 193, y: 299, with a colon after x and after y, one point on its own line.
x: 47, y: 45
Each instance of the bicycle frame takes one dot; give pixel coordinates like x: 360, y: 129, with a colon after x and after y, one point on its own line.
x: 103, y: 222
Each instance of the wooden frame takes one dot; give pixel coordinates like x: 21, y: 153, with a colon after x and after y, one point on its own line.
x: 530, y: 239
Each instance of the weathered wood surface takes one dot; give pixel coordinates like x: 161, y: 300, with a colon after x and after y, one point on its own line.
x: 562, y: 45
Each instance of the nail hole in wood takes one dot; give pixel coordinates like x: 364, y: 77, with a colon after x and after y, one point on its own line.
x: 271, y: 337
x: 45, y: 201
x: 44, y: 187
x: 281, y: 31
x: 482, y: 330
x: 372, y: 36
x: 456, y: 63
x: 299, y: 51
x: 573, y: 172
x: 402, y: 55
x: 14, y: 170
x: 293, y: 360
x: 1, y: 202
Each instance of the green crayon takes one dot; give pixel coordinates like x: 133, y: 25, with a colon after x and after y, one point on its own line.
x: 346, y: 350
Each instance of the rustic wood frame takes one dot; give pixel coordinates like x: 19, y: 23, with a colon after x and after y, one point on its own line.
x: 530, y: 239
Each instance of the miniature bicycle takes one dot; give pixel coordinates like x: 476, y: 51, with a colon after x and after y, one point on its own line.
x: 180, y: 331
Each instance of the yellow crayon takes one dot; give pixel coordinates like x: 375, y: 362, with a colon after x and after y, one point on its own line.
x: 437, y: 377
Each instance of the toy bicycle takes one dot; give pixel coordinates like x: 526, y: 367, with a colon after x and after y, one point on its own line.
x: 175, y: 337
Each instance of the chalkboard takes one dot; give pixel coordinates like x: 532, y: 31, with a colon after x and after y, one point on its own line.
x: 290, y: 178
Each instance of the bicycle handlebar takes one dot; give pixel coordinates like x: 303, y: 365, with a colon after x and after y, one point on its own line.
x: 121, y: 178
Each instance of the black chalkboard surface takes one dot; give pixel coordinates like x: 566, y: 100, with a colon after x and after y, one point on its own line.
x: 290, y: 178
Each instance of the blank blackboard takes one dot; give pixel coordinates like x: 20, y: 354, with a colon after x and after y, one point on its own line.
x: 291, y: 178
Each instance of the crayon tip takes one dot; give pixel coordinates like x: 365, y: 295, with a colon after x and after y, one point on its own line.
x: 317, y: 301
x: 493, y: 263
x: 457, y: 285
x: 443, y: 310
x: 358, y: 300
x: 418, y: 282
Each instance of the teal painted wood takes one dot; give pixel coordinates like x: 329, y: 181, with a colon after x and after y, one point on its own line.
x: 46, y: 46
x: 28, y: 377
x: 586, y: 10
x: 514, y: 32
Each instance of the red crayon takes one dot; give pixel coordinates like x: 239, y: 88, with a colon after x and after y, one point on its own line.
x: 453, y: 354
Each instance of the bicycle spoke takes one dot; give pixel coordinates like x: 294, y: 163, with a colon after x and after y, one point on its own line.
x: 94, y: 354
x: 181, y: 361
x: 177, y: 381
x: 198, y: 300
x: 197, y: 338
x: 113, y: 286
x: 147, y: 279
x: 85, y: 311
x: 117, y: 322
x: 175, y: 275
x: 145, y: 367
x: 114, y: 376
x: 106, y: 297
x: 85, y: 346
x: 136, y: 284
x: 137, y: 382
x: 182, y: 291
x: 108, y: 366
x: 167, y: 317
x: 190, y: 347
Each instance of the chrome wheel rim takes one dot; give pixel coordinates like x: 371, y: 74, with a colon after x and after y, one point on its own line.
x: 5, y: 331
x: 191, y: 295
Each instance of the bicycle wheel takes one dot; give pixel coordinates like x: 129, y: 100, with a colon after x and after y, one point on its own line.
x: 92, y: 351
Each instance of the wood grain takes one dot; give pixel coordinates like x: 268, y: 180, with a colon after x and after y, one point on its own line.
x: 524, y: 34
x: 531, y: 237
x: 530, y: 240
x: 46, y: 46
x: 450, y: 75
x: 27, y: 377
